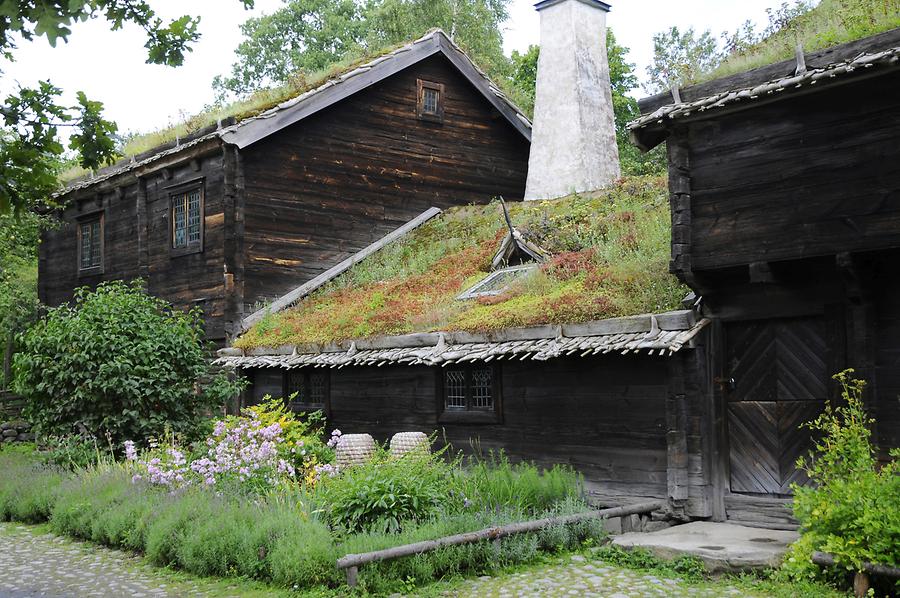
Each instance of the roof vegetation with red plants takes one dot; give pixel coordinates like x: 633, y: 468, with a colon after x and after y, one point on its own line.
x: 609, y: 248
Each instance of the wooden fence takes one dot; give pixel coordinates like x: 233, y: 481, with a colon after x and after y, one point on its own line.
x: 352, y: 562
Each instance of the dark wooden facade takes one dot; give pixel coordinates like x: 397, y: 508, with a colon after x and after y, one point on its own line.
x: 786, y: 220
x: 280, y: 209
x: 633, y: 425
x: 322, y: 189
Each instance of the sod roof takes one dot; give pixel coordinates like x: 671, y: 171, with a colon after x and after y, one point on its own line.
x: 609, y: 257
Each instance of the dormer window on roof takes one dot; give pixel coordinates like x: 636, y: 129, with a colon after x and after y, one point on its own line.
x: 515, y: 259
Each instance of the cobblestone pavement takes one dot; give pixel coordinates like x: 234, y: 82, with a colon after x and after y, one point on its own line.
x: 584, y: 577
x: 34, y: 564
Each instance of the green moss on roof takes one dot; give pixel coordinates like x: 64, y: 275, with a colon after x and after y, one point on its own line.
x: 830, y: 23
x: 241, y: 109
x: 610, y: 258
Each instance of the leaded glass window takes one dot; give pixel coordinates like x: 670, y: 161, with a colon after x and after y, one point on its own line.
x: 306, y: 389
x: 187, y: 219
x: 469, y: 389
x: 430, y: 101
x: 90, y: 244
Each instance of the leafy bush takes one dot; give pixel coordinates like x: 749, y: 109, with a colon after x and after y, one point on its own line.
x: 494, y: 483
x: 851, y: 511
x: 386, y: 492
x: 117, y: 361
x: 28, y: 490
x: 266, y: 448
x: 77, y: 451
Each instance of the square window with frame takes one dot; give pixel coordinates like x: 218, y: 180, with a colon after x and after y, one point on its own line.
x: 186, y: 216
x: 470, y: 393
x: 307, y: 390
x: 90, y: 245
x: 430, y: 102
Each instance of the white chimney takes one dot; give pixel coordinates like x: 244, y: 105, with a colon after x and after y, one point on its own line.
x: 573, y: 140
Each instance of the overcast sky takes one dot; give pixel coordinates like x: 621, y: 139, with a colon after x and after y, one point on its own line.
x: 109, y: 66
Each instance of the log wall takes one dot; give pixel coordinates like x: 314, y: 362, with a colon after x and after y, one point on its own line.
x: 326, y: 187
x: 606, y: 416
x: 814, y: 175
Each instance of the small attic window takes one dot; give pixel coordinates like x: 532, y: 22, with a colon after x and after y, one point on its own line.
x: 430, y: 102
x: 498, y: 281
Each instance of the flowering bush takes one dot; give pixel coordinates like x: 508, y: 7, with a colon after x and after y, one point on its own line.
x: 266, y: 447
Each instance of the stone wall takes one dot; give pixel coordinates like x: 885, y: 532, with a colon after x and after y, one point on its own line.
x: 16, y: 431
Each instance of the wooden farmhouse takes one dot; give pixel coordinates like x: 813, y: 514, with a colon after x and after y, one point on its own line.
x: 785, y: 198
x: 237, y: 214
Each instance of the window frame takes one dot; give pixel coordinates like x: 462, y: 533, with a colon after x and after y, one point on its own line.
x: 182, y: 191
x: 80, y: 222
x: 299, y: 406
x: 470, y: 415
x: 437, y: 116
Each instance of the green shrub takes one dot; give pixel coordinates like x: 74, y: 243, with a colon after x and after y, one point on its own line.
x: 29, y: 489
x: 118, y: 361
x: 77, y: 451
x: 387, y: 493
x: 494, y: 483
x: 851, y: 510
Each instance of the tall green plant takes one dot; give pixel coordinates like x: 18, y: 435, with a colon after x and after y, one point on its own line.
x: 851, y: 510
x: 120, y: 362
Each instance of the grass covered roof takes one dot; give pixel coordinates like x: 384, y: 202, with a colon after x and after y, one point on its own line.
x: 830, y: 23
x: 610, y: 253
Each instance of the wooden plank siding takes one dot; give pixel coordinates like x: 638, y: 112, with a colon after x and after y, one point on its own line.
x: 323, y: 188
x: 606, y: 416
x: 814, y: 175
x: 137, y: 243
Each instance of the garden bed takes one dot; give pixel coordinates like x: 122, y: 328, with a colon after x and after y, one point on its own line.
x: 224, y: 507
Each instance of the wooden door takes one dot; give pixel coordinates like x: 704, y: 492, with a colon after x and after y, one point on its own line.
x: 777, y: 380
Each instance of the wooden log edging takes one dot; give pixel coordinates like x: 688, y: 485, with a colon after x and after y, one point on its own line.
x: 352, y: 562
x: 861, y: 579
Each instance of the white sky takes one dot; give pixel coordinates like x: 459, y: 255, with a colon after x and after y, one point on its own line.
x: 109, y: 66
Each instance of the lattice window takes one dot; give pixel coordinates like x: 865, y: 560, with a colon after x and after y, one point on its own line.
x: 430, y: 102
x: 469, y: 389
x: 306, y: 389
x: 90, y: 244
x: 187, y: 219
x: 455, y: 389
x: 482, y: 389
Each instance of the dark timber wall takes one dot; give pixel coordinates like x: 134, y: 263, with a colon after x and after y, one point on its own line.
x: 633, y: 425
x: 786, y: 219
x: 335, y: 182
x: 137, y: 242
x: 815, y: 175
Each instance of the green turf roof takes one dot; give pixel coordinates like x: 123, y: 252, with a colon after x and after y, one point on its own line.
x: 831, y: 23
x: 610, y: 254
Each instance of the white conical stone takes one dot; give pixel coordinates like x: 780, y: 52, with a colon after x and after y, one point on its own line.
x: 573, y: 140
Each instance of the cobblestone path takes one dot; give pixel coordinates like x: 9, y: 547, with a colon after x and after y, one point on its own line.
x: 584, y: 577
x: 34, y: 564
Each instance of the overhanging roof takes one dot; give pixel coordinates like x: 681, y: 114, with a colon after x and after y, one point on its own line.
x: 876, y: 55
x: 435, y: 42
x: 337, y: 88
x: 661, y: 334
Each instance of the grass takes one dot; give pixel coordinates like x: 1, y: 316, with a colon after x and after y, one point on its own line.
x: 610, y: 248
x: 284, y: 539
x: 830, y: 23
x: 240, y: 109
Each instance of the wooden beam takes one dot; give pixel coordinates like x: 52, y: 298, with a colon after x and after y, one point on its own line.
x: 305, y: 289
x: 352, y: 562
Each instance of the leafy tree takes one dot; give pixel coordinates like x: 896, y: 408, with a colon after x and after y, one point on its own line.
x: 304, y: 35
x: 309, y: 35
x: 117, y: 361
x: 680, y: 58
x: 625, y: 108
x: 31, y: 118
x: 18, y: 281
